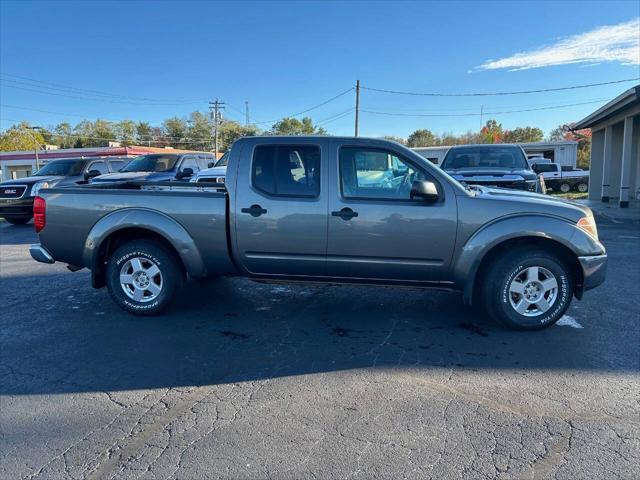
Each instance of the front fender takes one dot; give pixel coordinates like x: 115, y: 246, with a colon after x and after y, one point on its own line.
x: 513, y: 227
x: 146, y: 219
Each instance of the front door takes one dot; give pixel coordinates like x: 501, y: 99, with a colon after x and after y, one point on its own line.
x: 281, y: 208
x: 375, y: 230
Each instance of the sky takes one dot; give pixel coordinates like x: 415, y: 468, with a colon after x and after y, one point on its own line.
x: 147, y: 61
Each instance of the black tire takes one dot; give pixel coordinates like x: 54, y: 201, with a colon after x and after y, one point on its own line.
x: 168, y: 281
x: 564, y: 187
x: 500, y: 303
x: 17, y: 220
x: 582, y: 187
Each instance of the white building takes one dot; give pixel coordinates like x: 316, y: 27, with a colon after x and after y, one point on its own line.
x: 615, y: 149
x: 563, y: 152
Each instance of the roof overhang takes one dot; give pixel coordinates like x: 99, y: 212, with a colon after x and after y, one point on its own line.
x: 625, y: 100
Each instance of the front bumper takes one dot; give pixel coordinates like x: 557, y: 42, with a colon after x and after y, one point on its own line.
x: 22, y: 207
x: 40, y: 254
x: 594, y: 270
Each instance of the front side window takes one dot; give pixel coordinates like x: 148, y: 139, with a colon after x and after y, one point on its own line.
x: 374, y: 173
x: 99, y: 166
x: 116, y: 165
x: 190, y: 162
x: 290, y: 170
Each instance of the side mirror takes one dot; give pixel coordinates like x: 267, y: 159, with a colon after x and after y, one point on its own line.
x: 92, y: 174
x: 424, y: 190
x: 185, y: 172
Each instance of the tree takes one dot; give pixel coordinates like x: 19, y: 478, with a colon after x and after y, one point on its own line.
x: 144, y: 134
x: 492, y: 132
x: 230, y: 131
x: 583, y: 137
x: 199, y: 131
x: 393, y: 138
x: 20, y: 137
x: 63, y: 135
x: 293, y: 126
x: 126, y: 132
x: 175, y: 129
x: 523, y: 135
x: 422, y: 138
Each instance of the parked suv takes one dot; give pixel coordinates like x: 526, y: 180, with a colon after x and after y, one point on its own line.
x: 501, y: 165
x: 158, y: 167
x: 16, y: 196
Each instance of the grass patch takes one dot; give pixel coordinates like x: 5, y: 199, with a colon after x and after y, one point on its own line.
x: 571, y: 195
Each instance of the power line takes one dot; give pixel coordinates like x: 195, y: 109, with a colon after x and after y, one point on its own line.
x: 57, y: 86
x: 95, y: 99
x: 486, y: 94
x: 337, y: 116
x: 308, y: 109
x: 401, y: 114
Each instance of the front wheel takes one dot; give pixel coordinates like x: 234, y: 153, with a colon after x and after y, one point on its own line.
x: 527, y: 289
x: 143, y: 277
x: 17, y: 220
x: 565, y: 187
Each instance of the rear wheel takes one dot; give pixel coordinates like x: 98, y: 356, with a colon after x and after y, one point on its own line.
x: 565, y: 187
x: 17, y: 220
x: 527, y: 289
x: 143, y: 277
x: 582, y: 187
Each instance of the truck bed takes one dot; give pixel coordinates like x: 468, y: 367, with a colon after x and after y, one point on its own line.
x: 74, y: 212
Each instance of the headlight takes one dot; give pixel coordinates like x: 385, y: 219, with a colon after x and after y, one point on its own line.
x: 531, y: 185
x: 588, y: 224
x: 36, y: 188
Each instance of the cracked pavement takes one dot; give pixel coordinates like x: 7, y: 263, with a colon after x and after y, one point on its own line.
x: 246, y: 380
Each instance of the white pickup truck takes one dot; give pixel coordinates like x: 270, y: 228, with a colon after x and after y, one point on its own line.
x: 564, y: 179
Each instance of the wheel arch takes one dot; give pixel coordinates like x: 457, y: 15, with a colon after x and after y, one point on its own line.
x: 126, y: 225
x: 561, y: 251
x: 547, y: 233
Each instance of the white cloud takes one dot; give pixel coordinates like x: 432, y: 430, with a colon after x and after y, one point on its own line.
x: 610, y: 43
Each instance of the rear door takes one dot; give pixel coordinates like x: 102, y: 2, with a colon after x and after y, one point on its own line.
x: 281, y: 207
x: 375, y: 230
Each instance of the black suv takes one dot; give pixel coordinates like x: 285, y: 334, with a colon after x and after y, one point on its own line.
x: 16, y: 196
x: 499, y: 165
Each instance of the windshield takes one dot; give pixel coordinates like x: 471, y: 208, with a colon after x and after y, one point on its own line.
x: 61, y: 168
x: 151, y: 163
x: 485, y: 157
x: 224, y: 160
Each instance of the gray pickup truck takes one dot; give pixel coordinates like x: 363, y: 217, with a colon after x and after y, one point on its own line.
x: 329, y: 210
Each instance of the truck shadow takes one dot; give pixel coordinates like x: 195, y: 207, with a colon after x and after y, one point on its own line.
x: 233, y: 330
x: 17, y: 234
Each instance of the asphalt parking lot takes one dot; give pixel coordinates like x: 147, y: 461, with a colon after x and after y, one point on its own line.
x: 244, y: 380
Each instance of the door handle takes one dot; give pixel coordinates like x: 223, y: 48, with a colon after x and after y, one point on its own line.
x: 254, y: 210
x: 345, y: 214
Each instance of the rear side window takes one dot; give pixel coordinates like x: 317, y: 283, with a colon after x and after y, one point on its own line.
x: 544, y: 167
x: 289, y: 170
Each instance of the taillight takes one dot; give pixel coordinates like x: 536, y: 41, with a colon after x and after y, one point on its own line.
x: 39, y: 215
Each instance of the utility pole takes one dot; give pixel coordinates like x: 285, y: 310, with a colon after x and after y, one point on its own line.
x: 36, y: 146
x: 246, y: 113
x: 357, y: 104
x: 481, y: 112
x: 215, y: 108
